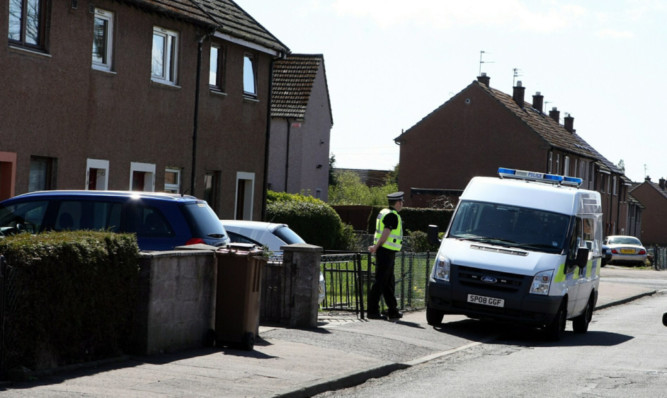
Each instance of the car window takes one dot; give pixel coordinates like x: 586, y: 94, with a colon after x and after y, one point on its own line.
x: 624, y: 240
x: 148, y: 221
x: 27, y: 216
x: 203, y: 221
x: 237, y: 238
x: 86, y: 214
x: 288, y: 236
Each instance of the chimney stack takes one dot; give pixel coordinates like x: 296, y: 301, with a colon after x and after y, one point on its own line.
x: 538, y: 101
x: 662, y: 184
x: 484, y: 79
x: 568, y: 122
x: 518, y: 94
x: 555, y: 114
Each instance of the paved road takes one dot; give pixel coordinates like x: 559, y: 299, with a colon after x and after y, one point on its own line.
x: 340, y: 352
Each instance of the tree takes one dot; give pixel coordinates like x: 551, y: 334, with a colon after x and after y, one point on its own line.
x: 349, y: 190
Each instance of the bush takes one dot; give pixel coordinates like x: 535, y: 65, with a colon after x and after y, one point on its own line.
x: 315, y: 221
x: 73, y: 296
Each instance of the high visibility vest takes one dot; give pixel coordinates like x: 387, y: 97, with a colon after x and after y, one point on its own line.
x: 395, y: 239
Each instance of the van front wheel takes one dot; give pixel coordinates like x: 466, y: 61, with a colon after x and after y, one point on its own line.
x: 554, y: 331
x: 433, y: 316
x: 580, y: 323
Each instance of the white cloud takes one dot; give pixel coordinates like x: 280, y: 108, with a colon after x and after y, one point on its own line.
x: 537, y: 16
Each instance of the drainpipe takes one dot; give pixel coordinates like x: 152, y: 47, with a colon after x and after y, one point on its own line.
x: 289, y: 131
x: 268, y: 137
x: 196, y: 116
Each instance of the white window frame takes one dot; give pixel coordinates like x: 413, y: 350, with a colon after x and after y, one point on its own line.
x: 247, y: 70
x: 169, y: 72
x: 173, y: 188
x: 248, y: 194
x: 148, y: 168
x: 107, y: 16
x: 102, y: 179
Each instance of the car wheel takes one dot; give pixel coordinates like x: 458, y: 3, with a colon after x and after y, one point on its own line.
x: 554, y: 331
x: 433, y: 316
x: 580, y: 323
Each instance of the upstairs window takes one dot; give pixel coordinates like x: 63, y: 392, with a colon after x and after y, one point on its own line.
x: 249, y: 76
x: 172, y: 180
x: 27, y: 23
x: 216, y: 77
x: 102, y: 39
x: 164, y: 56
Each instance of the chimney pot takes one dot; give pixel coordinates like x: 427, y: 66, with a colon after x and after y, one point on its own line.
x: 518, y: 94
x: 538, y: 101
x: 555, y: 114
x: 484, y: 79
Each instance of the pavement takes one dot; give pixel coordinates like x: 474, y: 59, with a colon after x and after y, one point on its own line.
x: 342, y: 351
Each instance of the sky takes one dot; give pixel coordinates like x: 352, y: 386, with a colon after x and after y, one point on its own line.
x: 390, y: 63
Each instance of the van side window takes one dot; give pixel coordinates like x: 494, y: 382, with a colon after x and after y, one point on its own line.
x: 576, y: 240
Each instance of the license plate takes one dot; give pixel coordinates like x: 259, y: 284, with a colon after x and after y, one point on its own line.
x: 483, y: 300
x: 628, y: 251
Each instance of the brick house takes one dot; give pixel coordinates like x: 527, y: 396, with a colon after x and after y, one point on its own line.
x: 301, y: 122
x: 654, y: 217
x: 156, y: 95
x: 481, y: 128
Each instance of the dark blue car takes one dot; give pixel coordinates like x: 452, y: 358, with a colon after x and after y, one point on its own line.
x: 161, y: 221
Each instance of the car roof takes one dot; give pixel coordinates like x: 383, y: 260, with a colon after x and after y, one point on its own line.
x: 255, y: 225
x: 108, y: 194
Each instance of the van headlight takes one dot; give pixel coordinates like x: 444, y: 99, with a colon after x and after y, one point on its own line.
x: 541, y: 283
x: 441, y: 269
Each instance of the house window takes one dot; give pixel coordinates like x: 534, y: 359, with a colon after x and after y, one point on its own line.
x: 97, y: 174
x: 27, y: 23
x: 142, y: 177
x: 42, y: 174
x: 211, y: 187
x: 615, y: 185
x: 566, y: 166
x: 164, y: 55
x: 550, y: 162
x: 172, y: 180
x: 249, y: 76
x: 102, y: 39
x: 217, y: 68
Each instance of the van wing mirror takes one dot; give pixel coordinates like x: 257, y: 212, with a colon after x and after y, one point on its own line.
x: 582, y: 257
x: 433, y: 235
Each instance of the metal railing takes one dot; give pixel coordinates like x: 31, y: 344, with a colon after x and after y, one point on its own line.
x: 349, y: 276
x: 659, y: 254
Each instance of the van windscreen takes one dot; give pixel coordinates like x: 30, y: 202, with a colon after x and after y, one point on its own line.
x: 511, y: 226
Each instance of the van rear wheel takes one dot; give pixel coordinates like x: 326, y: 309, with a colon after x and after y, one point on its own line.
x: 580, y: 323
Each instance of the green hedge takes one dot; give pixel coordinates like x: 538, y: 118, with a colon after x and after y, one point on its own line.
x: 314, y: 220
x: 71, y: 296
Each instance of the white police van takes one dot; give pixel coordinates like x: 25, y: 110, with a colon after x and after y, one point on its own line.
x: 525, y: 247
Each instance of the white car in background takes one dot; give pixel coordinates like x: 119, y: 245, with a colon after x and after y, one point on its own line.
x: 270, y: 235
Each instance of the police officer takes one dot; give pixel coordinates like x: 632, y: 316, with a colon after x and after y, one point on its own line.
x: 388, y: 240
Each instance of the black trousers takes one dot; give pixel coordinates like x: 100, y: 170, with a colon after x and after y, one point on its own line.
x: 384, y: 282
